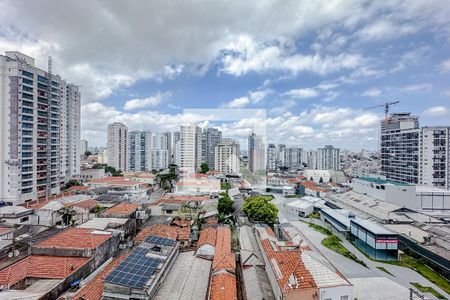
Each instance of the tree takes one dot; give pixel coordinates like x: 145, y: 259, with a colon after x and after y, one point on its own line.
x: 73, y: 182
x: 225, y: 205
x: 259, y: 209
x: 166, y: 179
x: 204, y: 168
x: 87, y: 153
x: 113, y: 171
x: 67, y: 215
x: 321, y: 180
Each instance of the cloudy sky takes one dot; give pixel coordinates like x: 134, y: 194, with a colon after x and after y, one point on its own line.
x: 314, y: 66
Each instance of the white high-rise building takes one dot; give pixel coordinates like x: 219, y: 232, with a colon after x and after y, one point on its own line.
x: 40, y: 130
x: 310, y: 158
x: 84, y: 146
x: 159, y: 151
x: 175, y: 156
x: 256, y: 154
x: 227, y: 158
x: 293, y: 157
x: 117, y: 146
x: 328, y: 158
x: 413, y: 154
x: 190, y: 147
x: 272, y: 157
x: 139, y: 157
x: 281, y: 157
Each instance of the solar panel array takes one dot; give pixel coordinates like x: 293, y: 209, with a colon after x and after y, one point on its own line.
x: 135, y: 270
x: 160, y: 241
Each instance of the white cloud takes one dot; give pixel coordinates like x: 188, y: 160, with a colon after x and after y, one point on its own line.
x: 302, y: 93
x: 145, y: 102
x: 435, y: 111
x: 385, y: 29
x: 373, y: 92
x: 445, y: 65
x: 258, y: 96
x: 446, y: 93
x: 237, y: 102
x: 421, y: 87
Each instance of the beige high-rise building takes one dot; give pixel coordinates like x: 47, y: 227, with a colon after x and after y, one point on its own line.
x: 190, y: 147
x: 227, y: 158
x: 117, y: 146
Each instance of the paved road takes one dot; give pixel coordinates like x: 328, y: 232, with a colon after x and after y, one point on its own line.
x: 402, y: 276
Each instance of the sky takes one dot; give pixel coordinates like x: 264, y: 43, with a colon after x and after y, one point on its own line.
x: 314, y: 67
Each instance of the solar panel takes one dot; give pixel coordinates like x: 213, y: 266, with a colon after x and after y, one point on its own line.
x: 160, y: 241
x: 135, y: 270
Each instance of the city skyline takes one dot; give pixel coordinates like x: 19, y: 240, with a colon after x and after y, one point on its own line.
x: 315, y: 72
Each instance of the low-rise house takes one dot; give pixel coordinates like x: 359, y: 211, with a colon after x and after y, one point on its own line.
x: 311, y: 188
x: 42, y: 276
x: 140, y: 274
x: 15, y: 215
x: 81, y: 242
x: 125, y: 227
x: 91, y: 174
x: 175, y: 232
x: 84, y: 210
x: 121, y: 210
x: 223, y: 286
x: 6, y: 238
x: 296, y: 271
x: 206, y: 245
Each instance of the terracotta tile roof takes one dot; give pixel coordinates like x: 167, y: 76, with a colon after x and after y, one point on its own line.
x: 85, y: 204
x: 40, y: 266
x: 184, y: 233
x: 223, y: 286
x: 286, y: 263
x: 36, y: 204
x: 223, y: 240
x: 93, y: 290
x: 121, y: 209
x: 212, y: 220
x: 207, y: 236
x: 312, y: 186
x: 224, y: 261
x: 181, y: 222
x: 75, y: 238
x: 114, y: 180
x: 78, y: 188
x: 161, y: 230
x: 4, y: 230
x: 180, y: 199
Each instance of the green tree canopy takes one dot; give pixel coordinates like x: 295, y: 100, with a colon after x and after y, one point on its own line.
x: 73, y: 182
x: 259, y: 209
x: 225, y: 205
x: 87, y: 153
x: 204, y: 168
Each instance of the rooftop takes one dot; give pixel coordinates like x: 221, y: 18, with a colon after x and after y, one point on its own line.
x: 93, y: 289
x: 373, y: 227
x: 38, y: 266
x: 161, y: 230
x: 207, y: 236
x: 383, y: 181
x: 113, y: 180
x: 121, y: 209
x: 76, y: 238
x: 103, y: 223
x: 300, y: 204
x: 85, y: 204
x: 223, y: 286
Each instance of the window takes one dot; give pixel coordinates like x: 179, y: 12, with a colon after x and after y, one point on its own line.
x: 344, y: 297
x: 24, y: 219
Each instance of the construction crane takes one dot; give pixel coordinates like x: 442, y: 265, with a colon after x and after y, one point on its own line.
x: 386, y: 108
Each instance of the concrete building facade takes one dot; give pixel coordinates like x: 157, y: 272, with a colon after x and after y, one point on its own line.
x: 256, y: 154
x: 227, y: 158
x: 117, y: 146
x: 190, y: 147
x: 328, y: 158
x: 211, y: 137
x: 40, y: 125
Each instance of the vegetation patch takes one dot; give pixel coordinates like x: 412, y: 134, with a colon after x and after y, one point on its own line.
x: 334, y: 243
x: 314, y: 215
x: 427, y: 289
x: 225, y: 186
x: 385, y: 270
x: 259, y: 209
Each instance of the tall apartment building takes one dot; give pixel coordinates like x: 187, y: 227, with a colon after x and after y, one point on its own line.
x: 138, y: 151
x: 328, y: 158
x: 293, y: 157
x: 159, y: 151
x: 117, y: 146
x: 84, y: 146
x: 272, y: 157
x: 211, y: 137
x: 227, y: 158
x: 281, y: 158
x: 168, y: 136
x: 256, y: 154
x: 176, y: 144
x: 413, y: 154
x: 400, y: 147
x: 190, y: 147
x: 40, y: 130
x: 310, y: 158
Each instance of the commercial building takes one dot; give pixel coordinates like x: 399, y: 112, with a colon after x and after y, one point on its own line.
x: 190, y: 148
x: 375, y: 240
x: 211, y: 137
x: 299, y: 208
x: 328, y: 158
x: 227, y: 158
x: 141, y: 273
x: 413, y: 154
x: 117, y: 146
x: 40, y: 123
x: 256, y: 154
